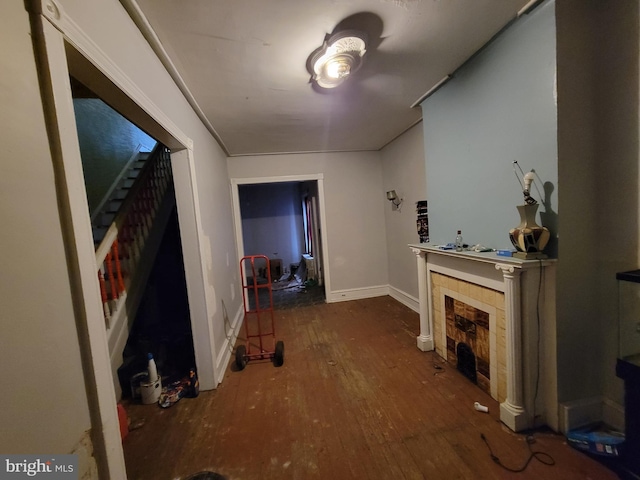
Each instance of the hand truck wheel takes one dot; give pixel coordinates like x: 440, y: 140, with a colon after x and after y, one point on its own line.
x: 278, y: 355
x: 241, y: 357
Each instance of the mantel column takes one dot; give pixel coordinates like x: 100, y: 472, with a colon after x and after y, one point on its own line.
x: 512, y: 411
x: 425, y: 339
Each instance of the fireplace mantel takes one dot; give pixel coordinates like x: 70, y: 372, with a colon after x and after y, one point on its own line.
x: 529, y: 305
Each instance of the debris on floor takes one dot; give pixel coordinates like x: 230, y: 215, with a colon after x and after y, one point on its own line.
x: 188, y: 386
x: 597, y: 439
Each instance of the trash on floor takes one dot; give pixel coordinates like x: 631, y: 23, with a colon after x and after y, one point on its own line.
x: 596, y: 439
x: 188, y: 386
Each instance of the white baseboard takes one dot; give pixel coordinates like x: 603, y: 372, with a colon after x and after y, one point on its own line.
x: 613, y: 414
x: 578, y: 413
x: 224, y: 355
x: 404, y: 298
x: 357, y: 293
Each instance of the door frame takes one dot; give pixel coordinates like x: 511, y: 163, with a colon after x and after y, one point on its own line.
x: 237, y: 215
x: 61, y: 49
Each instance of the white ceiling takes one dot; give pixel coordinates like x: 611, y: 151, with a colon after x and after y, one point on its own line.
x: 244, y: 64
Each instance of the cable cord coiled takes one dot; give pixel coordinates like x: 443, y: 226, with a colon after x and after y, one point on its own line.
x: 542, y: 457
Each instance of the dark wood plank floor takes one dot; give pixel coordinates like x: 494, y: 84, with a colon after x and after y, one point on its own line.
x: 355, y: 399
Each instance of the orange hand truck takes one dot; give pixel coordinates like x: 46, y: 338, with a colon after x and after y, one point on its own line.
x: 257, y: 299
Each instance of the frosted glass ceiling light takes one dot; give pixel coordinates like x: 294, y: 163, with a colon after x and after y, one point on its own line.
x: 337, y: 58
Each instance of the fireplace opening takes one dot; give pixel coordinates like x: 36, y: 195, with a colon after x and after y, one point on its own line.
x: 468, y: 341
x: 466, y: 361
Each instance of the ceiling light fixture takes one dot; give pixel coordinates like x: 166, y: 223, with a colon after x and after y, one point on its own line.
x: 339, y: 56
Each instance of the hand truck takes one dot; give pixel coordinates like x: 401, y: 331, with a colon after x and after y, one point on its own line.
x: 257, y: 299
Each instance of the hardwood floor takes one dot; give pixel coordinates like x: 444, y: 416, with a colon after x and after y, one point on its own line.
x: 355, y: 399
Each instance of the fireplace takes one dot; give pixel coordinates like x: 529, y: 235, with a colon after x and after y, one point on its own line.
x: 470, y: 314
x: 465, y: 361
x: 493, y: 318
x: 467, y: 341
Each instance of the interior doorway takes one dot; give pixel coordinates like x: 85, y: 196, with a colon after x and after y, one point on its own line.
x: 64, y: 50
x: 118, y: 92
x: 282, y: 218
x: 115, y: 153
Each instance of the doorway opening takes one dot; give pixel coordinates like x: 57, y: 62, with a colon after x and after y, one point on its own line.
x: 116, y: 157
x: 282, y: 220
x: 64, y: 50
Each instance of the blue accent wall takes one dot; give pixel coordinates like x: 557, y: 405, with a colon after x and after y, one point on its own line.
x: 498, y: 108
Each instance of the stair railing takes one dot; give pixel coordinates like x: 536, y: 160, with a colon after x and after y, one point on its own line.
x: 120, y: 250
x: 135, y: 156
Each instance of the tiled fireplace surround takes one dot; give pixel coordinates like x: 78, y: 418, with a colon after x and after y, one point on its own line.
x: 474, y: 316
x: 517, y: 296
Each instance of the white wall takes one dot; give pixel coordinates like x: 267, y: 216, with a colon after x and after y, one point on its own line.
x: 354, y: 202
x: 598, y: 135
x: 598, y: 171
x: 403, y: 170
x: 579, y: 346
x: 44, y: 408
x: 617, y: 170
x: 214, y: 281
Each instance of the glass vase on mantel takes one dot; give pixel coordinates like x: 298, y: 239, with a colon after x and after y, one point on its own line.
x: 529, y: 238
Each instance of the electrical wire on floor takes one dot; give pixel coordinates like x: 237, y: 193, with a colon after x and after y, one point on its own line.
x: 438, y: 368
x: 542, y: 457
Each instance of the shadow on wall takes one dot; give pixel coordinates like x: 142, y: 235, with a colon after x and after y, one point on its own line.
x: 550, y: 220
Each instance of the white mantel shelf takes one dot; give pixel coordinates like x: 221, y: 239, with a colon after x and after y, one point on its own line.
x: 486, y: 257
x: 528, y: 287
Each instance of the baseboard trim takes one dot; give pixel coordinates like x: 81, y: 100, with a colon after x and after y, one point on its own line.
x: 405, y: 299
x: 581, y: 412
x: 357, y: 293
x: 613, y: 414
x: 231, y: 332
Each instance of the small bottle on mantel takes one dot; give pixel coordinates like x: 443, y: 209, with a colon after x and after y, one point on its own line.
x: 459, y: 241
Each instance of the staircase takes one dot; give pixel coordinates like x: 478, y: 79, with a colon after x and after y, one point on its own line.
x: 128, y: 229
x: 106, y: 212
